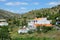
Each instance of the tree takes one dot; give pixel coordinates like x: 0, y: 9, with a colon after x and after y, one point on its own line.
x: 16, y: 22
x: 24, y: 21
x: 46, y: 29
x: 38, y: 29
x: 4, y: 33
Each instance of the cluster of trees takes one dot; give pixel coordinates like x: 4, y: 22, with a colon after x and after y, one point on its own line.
x: 4, y: 33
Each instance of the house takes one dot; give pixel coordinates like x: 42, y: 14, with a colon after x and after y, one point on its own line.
x: 23, y: 30
x: 39, y: 22
x: 57, y: 21
x: 32, y: 24
x: 3, y: 22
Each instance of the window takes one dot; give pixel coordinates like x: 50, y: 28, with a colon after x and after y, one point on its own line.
x: 35, y: 20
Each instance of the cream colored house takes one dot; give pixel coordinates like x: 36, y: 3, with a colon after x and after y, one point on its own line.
x: 3, y: 22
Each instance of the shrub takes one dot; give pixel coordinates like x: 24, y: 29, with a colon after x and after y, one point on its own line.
x: 38, y: 29
x: 45, y: 29
x: 33, y: 38
x: 30, y: 32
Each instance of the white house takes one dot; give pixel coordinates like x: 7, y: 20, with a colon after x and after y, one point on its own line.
x: 23, y: 30
x: 3, y: 22
x: 32, y: 24
x: 39, y: 22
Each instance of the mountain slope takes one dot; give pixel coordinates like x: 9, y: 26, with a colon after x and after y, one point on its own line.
x: 44, y: 12
x: 6, y: 14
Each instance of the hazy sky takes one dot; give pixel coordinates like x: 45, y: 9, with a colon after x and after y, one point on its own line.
x: 22, y: 6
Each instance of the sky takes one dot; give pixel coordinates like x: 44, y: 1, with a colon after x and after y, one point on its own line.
x: 22, y: 6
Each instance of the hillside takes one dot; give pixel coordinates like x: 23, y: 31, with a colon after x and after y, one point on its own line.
x: 7, y: 14
x: 10, y: 32
x: 44, y: 12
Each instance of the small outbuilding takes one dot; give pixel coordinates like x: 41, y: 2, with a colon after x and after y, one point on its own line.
x: 23, y: 30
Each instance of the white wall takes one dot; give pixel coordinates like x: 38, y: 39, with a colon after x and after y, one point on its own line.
x: 3, y: 24
x: 43, y: 21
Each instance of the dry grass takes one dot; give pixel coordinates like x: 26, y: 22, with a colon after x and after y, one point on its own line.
x: 55, y: 34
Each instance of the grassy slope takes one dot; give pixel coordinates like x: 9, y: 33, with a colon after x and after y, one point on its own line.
x: 33, y: 13
x: 50, y: 35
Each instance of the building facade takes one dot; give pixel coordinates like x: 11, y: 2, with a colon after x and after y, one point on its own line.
x: 39, y: 22
x: 3, y: 22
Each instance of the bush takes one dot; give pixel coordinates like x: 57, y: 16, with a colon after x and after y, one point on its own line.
x: 33, y: 38
x: 38, y: 29
x: 30, y: 32
x: 45, y: 29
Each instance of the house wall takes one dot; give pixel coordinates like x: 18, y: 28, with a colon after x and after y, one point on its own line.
x: 3, y: 22
x: 39, y: 21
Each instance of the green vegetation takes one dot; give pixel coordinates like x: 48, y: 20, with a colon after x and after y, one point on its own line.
x: 50, y: 13
x: 33, y: 38
x: 4, y: 33
x: 8, y: 15
x: 50, y: 35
